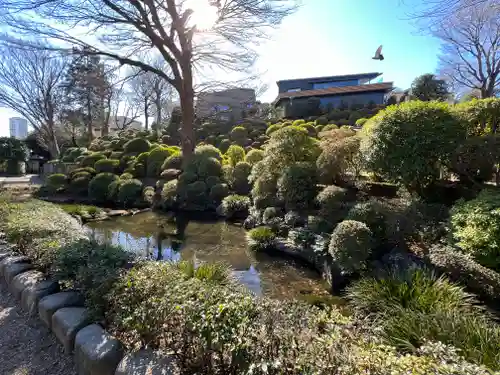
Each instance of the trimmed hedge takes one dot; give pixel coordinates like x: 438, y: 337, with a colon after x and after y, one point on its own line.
x: 107, y: 165
x: 136, y: 146
x: 98, y: 186
x: 90, y: 160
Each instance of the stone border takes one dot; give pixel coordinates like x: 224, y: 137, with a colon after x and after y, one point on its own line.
x: 95, y: 351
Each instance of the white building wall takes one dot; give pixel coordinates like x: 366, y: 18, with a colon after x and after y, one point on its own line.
x: 18, y: 127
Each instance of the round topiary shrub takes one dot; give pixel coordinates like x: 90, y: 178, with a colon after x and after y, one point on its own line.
x: 271, y: 213
x: 224, y: 145
x: 187, y: 178
x: 332, y: 202
x: 361, y: 122
x: 212, y: 180
x: 261, y: 239
x: 136, y: 146
x: 311, y: 130
x: 80, y: 185
x: 297, y: 186
x: 254, y: 156
x: 350, y: 246
x: 239, y: 178
x: 113, y: 189
x: 173, y: 162
x: 156, y: 160
x: 234, y: 207
x: 428, y: 131
x: 56, y: 181
x: 89, y: 170
x: 81, y: 174
x: 169, y: 195
x: 238, y: 133
x: 270, y: 130
x: 218, y: 192
x: 129, y: 191
x: 208, y: 151
x: 298, y: 122
x: 116, y: 155
x: 143, y: 158
x: 475, y: 227
x: 204, y: 166
x: 90, y: 160
x: 372, y: 214
x: 98, y: 186
x: 126, y: 176
x: 330, y: 127
x: 137, y: 169
x: 107, y: 165
x: 235, y: 154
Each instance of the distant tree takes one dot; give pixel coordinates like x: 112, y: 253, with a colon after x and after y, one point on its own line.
x: 29, y: 81
x: 87, y: 90
x: 427, y: 87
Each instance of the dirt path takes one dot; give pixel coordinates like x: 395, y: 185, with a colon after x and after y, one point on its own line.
x: 27, y: 347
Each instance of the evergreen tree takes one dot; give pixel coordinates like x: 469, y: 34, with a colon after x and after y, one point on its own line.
x: 427, y: 87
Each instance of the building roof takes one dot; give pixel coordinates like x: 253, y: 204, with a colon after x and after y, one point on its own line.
x: 384, y: 86
x: 335, y: 78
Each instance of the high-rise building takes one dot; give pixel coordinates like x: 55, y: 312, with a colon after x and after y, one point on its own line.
x: 18, y: 127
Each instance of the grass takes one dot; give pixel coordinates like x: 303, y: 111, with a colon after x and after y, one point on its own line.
x: 218, y: 273
x: 81, y: 210
x: 261, y: 238
x: 415, y: 306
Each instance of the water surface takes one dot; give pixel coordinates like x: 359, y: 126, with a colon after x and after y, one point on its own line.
x: 155, y: 236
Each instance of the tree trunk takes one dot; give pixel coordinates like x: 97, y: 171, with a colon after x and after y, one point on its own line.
x: 52, y: 143
x: 158, y: 113
x: 89, y: 120
x: 186, y: 96
x: 146, y: 114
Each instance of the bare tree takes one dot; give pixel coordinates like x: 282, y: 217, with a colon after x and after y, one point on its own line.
x: 470, y: 57
x: 142, y: 92
x: 29, y: 84
x: 130, y: 31
x: 123, y: 108
x: 440, y: 9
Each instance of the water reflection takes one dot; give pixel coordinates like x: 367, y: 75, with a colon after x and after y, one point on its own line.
x: 153, y: 236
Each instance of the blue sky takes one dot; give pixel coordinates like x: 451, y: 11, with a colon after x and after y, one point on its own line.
x: 330, y: 37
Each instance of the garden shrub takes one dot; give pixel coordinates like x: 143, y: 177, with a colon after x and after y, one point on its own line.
x: 427, y: 131
x: 372, y: 214
x: 330, y: 127
x: 271, y: 213
x: 360, y: 122
x: 90, y: 268
x: 415, y: 306
x: 173, y: 162
x: 138, y: 170
x: 238, y: 178
x: 463, y: 269
x: 224, y: 145
x: 86, y: 175
x: 116, y: 155
x: 321, y: 121
x: 187, y: 178
x: 332, y: 202
x: 298, y: 122
x: 204, y: 166
x: 156, y: 160
x: 212, y: 181
x: 218, y: 192
x: 80, y: 185
x: 143, y: 158
x: 239, y: 134
x: 56, y: 181
x: 235, y: 154
x: 147, y: 197
x: 217, y: 273
x: 129, y: 191
x: 170, y: 174
x: 270, y: 130
x: 234, y: 207
x: 481, y: 116
x: 254, y: 156
x: 107, y: 165
x: 169, y: 195
x: 208, y: 151
x: 261, y: 239
x: 98, y: 186
x: 136, y: 146
x: 78, y: 170
x: 297, y: 186
x: 311, y: 130
x: 126, y: 176
x: 475, y: 227
x: 351, y: 244
x: 90, y: 160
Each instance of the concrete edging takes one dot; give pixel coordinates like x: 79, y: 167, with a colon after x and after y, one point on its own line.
x: 95, y: 351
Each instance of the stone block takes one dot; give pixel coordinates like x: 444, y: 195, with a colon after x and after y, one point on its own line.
x: 146, y: 362
x: 66, y: 323
x: 24, y: 280
x: 32, y: 295
x: 4, y: 254
x: 96, y: 351
x: 50, y: 304
x: 12, y: 270
x: 11, y: 260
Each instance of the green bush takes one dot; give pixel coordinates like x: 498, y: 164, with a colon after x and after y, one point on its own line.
x: 107, y: 165
x: 321, y: 121
x: 208, y: 151
x: 169, y: 195
x: 90, y: 160
x: 187, y: 178
x: 116, y: 155
x: 217, y: 273
x: 129, y: 191
x: 98, y: 186
x: 218, y: 192
x: 254, y: 156
x: 238, y: 133
x: 224, y: 145
x: 143, y: 158
x: 350, y: 246
x: 148, y: 194
x: 416, y: 306
x: 156, y: 160
x: 297, y: 186
x: 330, y: 127
x: 79, y: 170
x: 173, y: 162
x: 372, y: 214
x: 270, y: 130
x: 90, y: 268
x: 261, y: 239
x: 271, y: 213
x: 126, y: 176
x: 340, y: 159
x: 234, y: 207
x: 461, y: 268
x: 311, y: 130
x: 235, y: 154
x: 475, y: 226
x: 238, y: 178
x: 481, y: 116
x: 80, y: 185
x: 298, y: 122
x: 56, y: 181
x: 170, y: 174
x: 427, y: 131
x: 332, y: 201
x: 203, y: 166
x: 136, y: 146
x: 212, y: 181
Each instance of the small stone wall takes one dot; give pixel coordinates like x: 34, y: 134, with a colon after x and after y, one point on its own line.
x: 94, y: 350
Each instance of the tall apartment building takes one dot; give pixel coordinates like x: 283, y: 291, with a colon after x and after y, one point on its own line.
x: 18, y: 127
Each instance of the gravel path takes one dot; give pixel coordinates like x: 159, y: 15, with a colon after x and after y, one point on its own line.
x: 27, y: 347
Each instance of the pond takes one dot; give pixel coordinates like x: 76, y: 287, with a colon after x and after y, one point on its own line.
x: 155, y: 236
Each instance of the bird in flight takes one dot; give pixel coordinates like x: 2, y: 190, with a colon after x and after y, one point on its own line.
x: 378, y: 54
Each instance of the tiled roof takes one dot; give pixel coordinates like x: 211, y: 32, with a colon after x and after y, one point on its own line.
x: 335, y: 78
x: 384, y: 86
